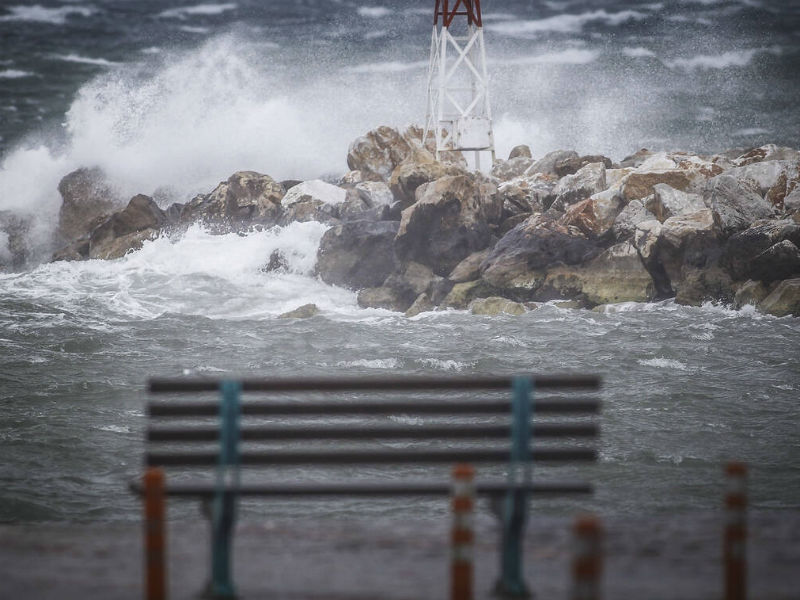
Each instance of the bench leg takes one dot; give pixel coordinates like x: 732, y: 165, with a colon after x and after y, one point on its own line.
x: 222, y: 523
x: 512, y: 513
x: 154, y: 535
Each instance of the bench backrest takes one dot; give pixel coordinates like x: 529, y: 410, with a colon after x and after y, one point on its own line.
x: 361, y: 421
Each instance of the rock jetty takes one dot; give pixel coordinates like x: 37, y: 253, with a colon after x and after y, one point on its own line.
x: 411, y: 233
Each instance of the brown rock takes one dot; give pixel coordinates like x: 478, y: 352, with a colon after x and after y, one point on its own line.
x: 87, y: 200
x: 640, y: 185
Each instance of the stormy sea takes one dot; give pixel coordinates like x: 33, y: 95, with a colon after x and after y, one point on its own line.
x: 170, y: 97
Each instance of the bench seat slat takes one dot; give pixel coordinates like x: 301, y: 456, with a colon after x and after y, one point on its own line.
x: 422, y: 407
x: 172, y: 385
x: 395, y: 432
x: 343, y: 457
x: 371, y: 488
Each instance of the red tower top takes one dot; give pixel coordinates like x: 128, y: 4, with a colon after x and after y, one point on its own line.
x: 449, y: 9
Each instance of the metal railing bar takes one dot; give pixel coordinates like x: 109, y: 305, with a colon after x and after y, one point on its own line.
x: 427, y: 407
x: 331, y: 432
x: 350, y: 457
x: 172, y: 385
x: 375, y: 488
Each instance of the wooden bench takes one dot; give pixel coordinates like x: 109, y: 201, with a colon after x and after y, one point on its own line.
x: 223, y: 448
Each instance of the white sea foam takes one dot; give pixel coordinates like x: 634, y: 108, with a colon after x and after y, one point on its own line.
x: 387, y: 67
x: 664, y: 363
x: 445, y: 364
x: 724, y: 60
x: 748, y: 131
x: 15, y: 74
x: 41, y: 14
x: 638, y: 52
x: 566, y: 23
x: 87, y: 60
x: 376, y: 363
x: 374, y: 12
x: 570, y: 56
x: 194, y: 29
x: 204, y: 10
x: 216, y: 276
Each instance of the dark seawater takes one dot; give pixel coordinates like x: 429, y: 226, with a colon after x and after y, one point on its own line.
x: 171, y: 97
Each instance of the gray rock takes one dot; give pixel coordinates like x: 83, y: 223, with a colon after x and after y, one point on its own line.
x: 668, y: 202
x: 735, y: 205
x: 246, y: 198
x: 127, y: 229
x: 625, y: 224
x: 87, y: 200
x: 463, y: 294
x: 781, y: 261
x: 382, y: 297
x: 419, y: 168
x: 377, y: 153
x: 416, y: 279
x: 571, y: 189
x: 547, y: 164
x: 302, y: 312
x: 357, y: 254
x: 505, y: 170
x: 765, y: 175
x: 791, y: 203
x: 742, y: 248
x: 422, y: 304
x: 784, y: 300
x: 469, y: 268
x: 616, y: 275
x: 14, y: 240
x: 520, y: 151
x: 517, y: 262
x: 750, y: 293
x: 495, y: 305
x: 635, y: 160
x: 447, y: 224
x: 573, y: 164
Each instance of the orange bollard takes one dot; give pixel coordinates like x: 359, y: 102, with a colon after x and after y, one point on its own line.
x: 735, y: 532
x: 154, y: 535
x: 463, y: 502
x: 587, y: 561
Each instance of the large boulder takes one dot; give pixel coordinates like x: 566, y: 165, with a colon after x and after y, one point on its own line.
x: 87, y: 200
x: 616, y: 275
x: 784, y: 300
x: 246, y: 198
x: 313, y: 200
x: 464, y: 293
x: 495, y: 305
x: 735, y: 205
x: 420, y: 167
x: 357, y: 254
x: 416, y: 279
x: 127, y: 229
x: 668, y: 202
x: 547, y: 164
x: 520, y: 151
x: 378, y: 152
x: 518, y: 261
x: 640, y: 184
x: 780, y: 261
x: 766, y: 152
x: 625, y: 224
x: 571, y: 189
x: 368, y: 200
x: 14, y: 235
x: 572, y: 164
x: 447, y: 224
x: 742, y: 248
x: 505, y: 170
x: 595, y: 216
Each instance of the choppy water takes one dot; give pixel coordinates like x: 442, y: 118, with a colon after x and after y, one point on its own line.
x: 170, y: 97
x: 686, y: 388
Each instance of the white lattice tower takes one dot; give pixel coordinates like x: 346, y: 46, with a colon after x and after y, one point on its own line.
x: 459, y: 116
